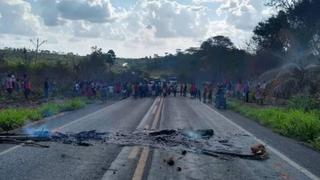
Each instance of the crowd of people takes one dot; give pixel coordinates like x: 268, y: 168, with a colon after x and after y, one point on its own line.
x: 99, y: 89
x: 208, y: 91
x: 107, y: 90
x: 205, y: 92
x: 12, y: 85
x: 248, y: 91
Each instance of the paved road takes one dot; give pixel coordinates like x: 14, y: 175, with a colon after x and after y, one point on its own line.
x: 114, y: 162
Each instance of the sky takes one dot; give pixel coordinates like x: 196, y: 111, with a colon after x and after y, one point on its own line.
x: 132, y: 28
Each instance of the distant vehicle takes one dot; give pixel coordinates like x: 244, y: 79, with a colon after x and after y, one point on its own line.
x: 172, y: 80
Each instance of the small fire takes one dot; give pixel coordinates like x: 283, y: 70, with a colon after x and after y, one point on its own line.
x: 37, y: 132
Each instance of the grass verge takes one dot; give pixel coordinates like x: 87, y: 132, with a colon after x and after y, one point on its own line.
x: 295, y: 123
x: 14, y: 118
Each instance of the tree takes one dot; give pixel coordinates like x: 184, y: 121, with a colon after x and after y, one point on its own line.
x: 292, y: 34
x: 283, y: 4
x: 217, y: 41
x: 268, y: 34
x: 111, y: 57
x: 94, y: 65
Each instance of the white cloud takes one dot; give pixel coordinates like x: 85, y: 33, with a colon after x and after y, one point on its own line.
x: 83, y: 29
x: 56, y: 12
x: 238, y: 36
x: 206, y: 1
x: 168, y: 19
x: 89, y: 10
x: 16, y: 18
x: 50, y: 13
x: 144, y: 28
x: 243, y: 14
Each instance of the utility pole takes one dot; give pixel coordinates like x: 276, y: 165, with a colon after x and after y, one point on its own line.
x: 37, y: 45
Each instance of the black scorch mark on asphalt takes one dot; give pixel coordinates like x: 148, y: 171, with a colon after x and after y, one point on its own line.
x: 201, y: 141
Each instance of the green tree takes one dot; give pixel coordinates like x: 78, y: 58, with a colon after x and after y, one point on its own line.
x: 111, y: 57
x: 217, y: 41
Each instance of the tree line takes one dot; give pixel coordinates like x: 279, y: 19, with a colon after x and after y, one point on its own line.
x: 290, y: 36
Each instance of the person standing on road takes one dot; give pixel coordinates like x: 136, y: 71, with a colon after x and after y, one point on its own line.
x: 185, y: 90
x: 77, y: 89
x: 93, y: 89
x: 259, y: 94
x: 164, y: 90
x: 170, y: 90
x: 246, y: 91
x: 46, y: 88
x: 153, y: 89
x: 175, y: 90
x: 140, y: 90
x: 205, y: 93
x: 238, y: 89
x: 26, y: 86
x: 111, y: 90
x: 14, y: 81
x: 193, y: 90
x: 136, y: 90
x: 104, y: 92
x: 210, y: 91
x: 199, y: 94
x: 9, y: 85
x: 18, y: 85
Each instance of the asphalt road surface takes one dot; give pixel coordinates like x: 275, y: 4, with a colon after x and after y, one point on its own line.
x: 102, y: 161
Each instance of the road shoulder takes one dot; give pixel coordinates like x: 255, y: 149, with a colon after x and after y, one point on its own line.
x: 57, y: 120
x: 301, y: 154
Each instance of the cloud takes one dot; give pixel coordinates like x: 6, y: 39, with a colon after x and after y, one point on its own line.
x: 90, y: 10
x: 16, y: 18
x: 206, y: 1
x: 168, y: 18
x: 141, y: 28
x: 243, y: 14
x: 57, y: 12
x: 50, y: 13
x: 238, y: 36
x: 83, y: 29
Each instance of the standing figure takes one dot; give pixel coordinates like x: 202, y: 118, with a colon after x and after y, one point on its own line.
x: 46, y: 88
x: 26, y: 87
x: 9, y: 85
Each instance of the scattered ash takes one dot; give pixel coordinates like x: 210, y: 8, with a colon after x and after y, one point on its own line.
x: 181, y: 140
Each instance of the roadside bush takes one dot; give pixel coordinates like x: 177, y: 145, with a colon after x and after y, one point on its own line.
x: 295, y: 123
x: 316, y: 143
x: 49, y: 109
x: 13, y: 118
x: 10, y: 119
x: 33, y: 114
x: 305, y: 103
x: 73, y: 104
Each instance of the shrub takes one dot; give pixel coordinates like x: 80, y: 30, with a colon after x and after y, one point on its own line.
x: 49, y: 109
x: 33, y: 114
x: 73, y: 104
x: 316, y: 143
x: 305, y: 103
x: 295, y: 123
x: 10, y: 119
x: 13, y: 118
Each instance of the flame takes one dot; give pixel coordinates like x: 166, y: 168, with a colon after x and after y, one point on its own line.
x: 42, y: 131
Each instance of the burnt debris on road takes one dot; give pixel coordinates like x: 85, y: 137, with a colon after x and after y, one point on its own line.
x: 195, y: 141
